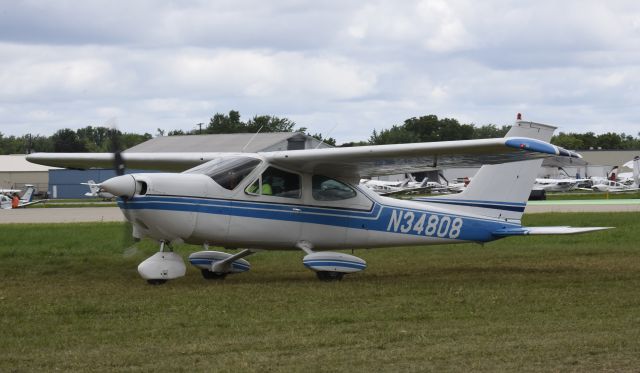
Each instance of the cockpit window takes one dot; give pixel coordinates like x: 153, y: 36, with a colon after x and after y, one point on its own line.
x: 277, y: 183
x: 326, y: 189
x: 227, y: 172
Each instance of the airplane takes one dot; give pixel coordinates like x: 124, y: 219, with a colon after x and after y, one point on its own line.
x: 310, y: 200
x: 25, y: 200
x: 94, y: 191
x: 392, y: 188
x: 383, y: 186
x: 628, y: 177
x: 613, y: 186
x: 558, y: 185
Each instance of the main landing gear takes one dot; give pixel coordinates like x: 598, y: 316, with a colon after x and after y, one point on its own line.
x: 216, y: 265
x: 330, y: 266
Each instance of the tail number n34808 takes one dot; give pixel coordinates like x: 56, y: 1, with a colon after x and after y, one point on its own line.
x: 424, y: 224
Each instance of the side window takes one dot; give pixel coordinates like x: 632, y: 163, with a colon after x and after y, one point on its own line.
x: 277, y: 183
x: 230, y: 176
x: 326, y: 189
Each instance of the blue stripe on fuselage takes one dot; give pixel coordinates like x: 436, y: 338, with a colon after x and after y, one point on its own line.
x: 495, y: 205
x: 378, y: 218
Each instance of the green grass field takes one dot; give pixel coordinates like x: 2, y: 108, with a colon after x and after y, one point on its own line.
x: 580, y: 195
x: 71, y: 300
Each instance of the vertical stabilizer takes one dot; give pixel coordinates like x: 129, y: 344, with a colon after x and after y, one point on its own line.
x: 501, y: 191
x: 93, y: 187
x: 28, y: 194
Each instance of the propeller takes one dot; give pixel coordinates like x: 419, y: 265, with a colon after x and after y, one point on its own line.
x: 128, y: 240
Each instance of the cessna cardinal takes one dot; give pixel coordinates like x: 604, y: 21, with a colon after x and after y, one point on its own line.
x: 309, y: 200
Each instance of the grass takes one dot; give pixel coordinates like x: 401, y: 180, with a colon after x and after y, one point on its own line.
x: 71, y: 300
x: 579, y: 195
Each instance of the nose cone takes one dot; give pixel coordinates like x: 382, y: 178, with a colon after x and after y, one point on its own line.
x: 120, y: 186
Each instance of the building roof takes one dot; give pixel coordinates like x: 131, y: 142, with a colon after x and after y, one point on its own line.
x: 608, y: 157
x: 18, y: 163
x: 233, y: 142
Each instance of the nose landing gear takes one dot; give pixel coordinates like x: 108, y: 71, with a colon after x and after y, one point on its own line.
x: 162, y: 266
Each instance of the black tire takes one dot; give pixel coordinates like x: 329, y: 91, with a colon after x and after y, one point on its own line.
x: 213, y: 275
x: 156, y: 282
x: 329, y: 276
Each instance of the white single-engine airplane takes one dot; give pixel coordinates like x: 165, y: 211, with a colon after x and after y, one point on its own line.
x: 309, y: 200
x: 25, y: 200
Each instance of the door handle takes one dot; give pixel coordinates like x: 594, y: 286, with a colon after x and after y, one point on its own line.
x: 295, y: 209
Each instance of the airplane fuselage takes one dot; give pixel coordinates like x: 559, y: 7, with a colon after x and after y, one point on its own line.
x: 194, y: 209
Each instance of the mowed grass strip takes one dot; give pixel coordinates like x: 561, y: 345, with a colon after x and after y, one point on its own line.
x: 71, y: 300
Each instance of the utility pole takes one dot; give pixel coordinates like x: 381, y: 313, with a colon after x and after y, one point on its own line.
x: 200, y: 130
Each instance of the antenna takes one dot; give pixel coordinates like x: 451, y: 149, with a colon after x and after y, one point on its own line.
x: 328, y: 134
x: 251, y: 139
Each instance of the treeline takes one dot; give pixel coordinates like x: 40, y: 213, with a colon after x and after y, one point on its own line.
x: 84, y: 140
x: 421, y: 129
x: 429, y: 128
x: 591, y: 141
x: 231, y: 123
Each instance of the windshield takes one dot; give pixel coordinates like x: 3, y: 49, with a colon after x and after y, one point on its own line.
x: 227, y: 172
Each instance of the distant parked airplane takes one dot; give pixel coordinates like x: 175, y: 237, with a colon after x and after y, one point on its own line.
x: 25, y: 200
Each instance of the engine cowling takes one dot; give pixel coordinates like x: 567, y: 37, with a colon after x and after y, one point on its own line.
x: 328, y: 261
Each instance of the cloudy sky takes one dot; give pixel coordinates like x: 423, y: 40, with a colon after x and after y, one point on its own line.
x: 349, y: 65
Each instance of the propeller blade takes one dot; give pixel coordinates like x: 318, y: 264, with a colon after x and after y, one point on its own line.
x: 116, y: 149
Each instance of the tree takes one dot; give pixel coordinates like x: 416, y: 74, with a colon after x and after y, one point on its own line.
x: 329, y: 140
x: 567, y: 141
x: 221, y: 123
x: 609, y: 140
x: 489, y: 131
x: 269, y: 124
x: 67, y: 141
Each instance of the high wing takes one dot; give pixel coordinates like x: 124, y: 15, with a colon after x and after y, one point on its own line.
x: 362, y: 161
x: 374, y: 160
x: 175, y: 162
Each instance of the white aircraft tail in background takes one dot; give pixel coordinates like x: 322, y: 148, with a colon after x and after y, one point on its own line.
x: 94, y: 191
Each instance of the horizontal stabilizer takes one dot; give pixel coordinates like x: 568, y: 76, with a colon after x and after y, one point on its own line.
x: 524, y: 231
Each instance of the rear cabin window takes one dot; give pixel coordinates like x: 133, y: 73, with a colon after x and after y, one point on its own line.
x: 326, y: 189
x: 277, y: 183
x: 227, y: 172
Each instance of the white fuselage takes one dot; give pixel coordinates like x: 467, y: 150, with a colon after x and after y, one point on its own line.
x: 5, y: 202
x: 613, y: 186
x: 556, y: 185
x: 194, y: 209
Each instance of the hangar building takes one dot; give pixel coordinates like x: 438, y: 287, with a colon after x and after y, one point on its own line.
x: 16, y: 171
x: 65, y: 183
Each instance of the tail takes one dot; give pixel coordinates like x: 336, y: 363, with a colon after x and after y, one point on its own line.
x: 501, y: 191
x: 28, y: 194
x: 93, y: 187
